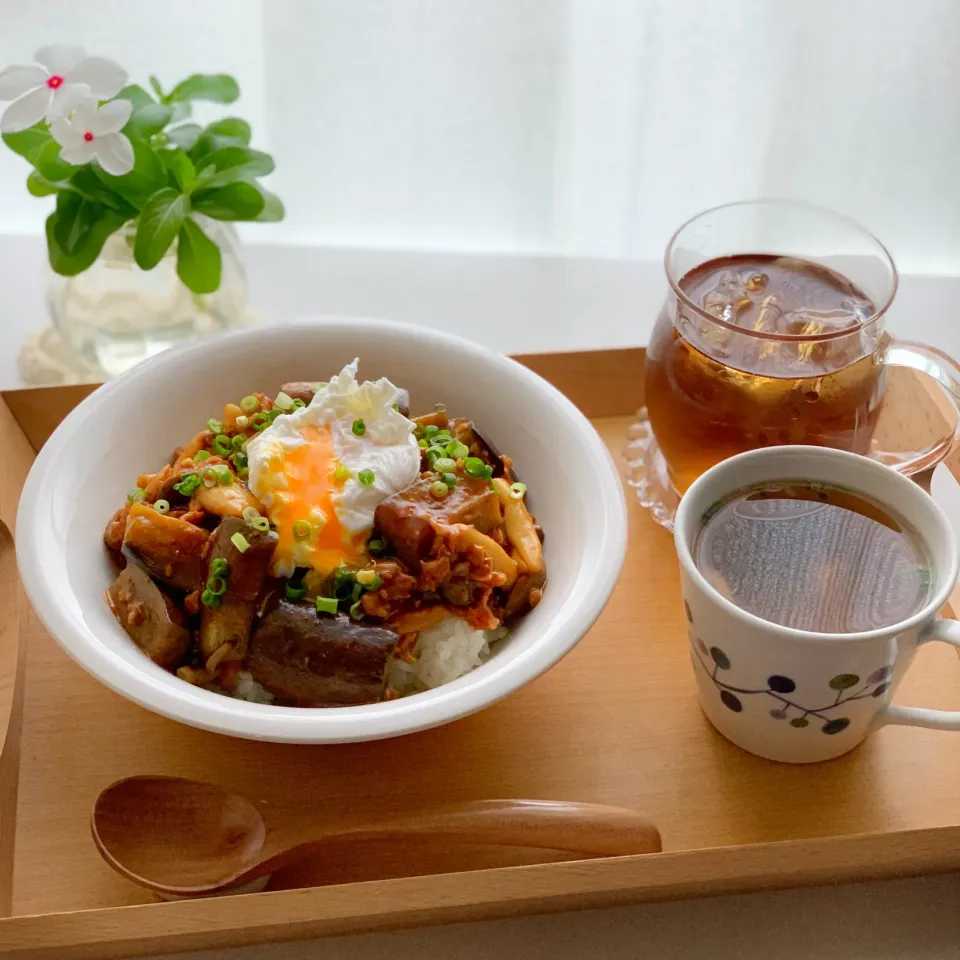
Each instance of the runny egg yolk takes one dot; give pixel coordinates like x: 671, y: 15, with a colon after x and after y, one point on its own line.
x: 303, y: 512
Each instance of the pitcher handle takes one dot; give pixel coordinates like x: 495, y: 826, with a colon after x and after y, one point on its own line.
x: 946, y: 372
x: 942, y: 631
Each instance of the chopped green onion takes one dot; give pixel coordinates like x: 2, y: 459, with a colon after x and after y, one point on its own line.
x: 341, y: 474
x: 250, y: 514
x: 201, y: 455
x: 457, y: 450
x: 301, y: 530
x: 262, y: 524
x: 162, y: 506
x: 343, y: 582
x: 318, y: 386
x: 274, y: 413
x: 430, y: 429
x: 243, y: 422
x: 223, y: 474
x: 243, y: 473
x: 444, y: 464
x: 440, y: 407
x: 209, y: 599
x: 396, y: 406
x: 260, y: 420
x: 135, y: 495
x: 369, y: 579
x: 326, y: 604
x: 238, y: 441
x: 240, y: 542
x: 218, y: 567
x: 356, y: 610
x: 474, y: 466
x: 357, y: 591
x: 215, y: 426
x: 209, y: 477
x: 422, y: 444
x: 188, y: 483
x: 284, y: 401
x: 517, y: 490
x: 217, y: 585
x: 239, y: 460
x: 359, y: 428
x: 249, y: 404
x: 376, y: 546
x: 450, y: 479
x: 294, y: 593
x: 298, y: 404
x: 367, y: 477
x: 439, y: 489
x: 222, y: 445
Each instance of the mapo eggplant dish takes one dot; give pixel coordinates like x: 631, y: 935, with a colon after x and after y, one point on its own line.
x: 319, y: 548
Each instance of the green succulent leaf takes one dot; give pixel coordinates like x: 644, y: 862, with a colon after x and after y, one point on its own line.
x: 160, y: 222
x: 185, y: 135
x: 49, y: 164
x: 39, y: 186
x: 198, y: 258
x: 28, y: 143
x: 143, y: 181
x: 89, y: 242
x: 235, y: 201
x: 137, y: 96
x: 231, y: 127
x: 230, y: 164
x: 272, y: 206
x: 218, y: 87
x: 148, y: 120
x: 180, y: 167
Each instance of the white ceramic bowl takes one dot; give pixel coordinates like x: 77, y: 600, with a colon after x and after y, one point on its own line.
x: 131, y: 425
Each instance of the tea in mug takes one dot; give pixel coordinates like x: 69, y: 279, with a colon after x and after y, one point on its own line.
x: 712, y: 392
x: 814, y: 557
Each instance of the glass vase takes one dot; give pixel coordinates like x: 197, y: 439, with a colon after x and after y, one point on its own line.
x: 113, y: 315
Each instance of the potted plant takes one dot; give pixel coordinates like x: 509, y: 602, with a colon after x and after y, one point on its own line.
x: 140, y: 242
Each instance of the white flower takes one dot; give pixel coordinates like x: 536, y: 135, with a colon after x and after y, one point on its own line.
x: 54, y: 89
x: 94, y: 133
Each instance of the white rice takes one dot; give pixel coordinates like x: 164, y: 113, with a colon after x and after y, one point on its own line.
x: 443, y: 653
x: 248, y: 689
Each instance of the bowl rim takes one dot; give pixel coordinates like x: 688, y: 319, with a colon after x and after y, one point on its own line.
x: 225, y: 715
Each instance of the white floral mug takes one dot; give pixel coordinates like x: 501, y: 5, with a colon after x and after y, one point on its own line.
x: 797, y: 696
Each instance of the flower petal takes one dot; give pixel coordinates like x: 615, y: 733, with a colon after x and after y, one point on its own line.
x: 26, y: 111
x: 112, y: 117
x: 105, y: 78
x: 15, y: 81
x: 65, y: 133
x: 59, y: 57
x: 114, y: 153
x: 66, y: 99
x: 84, y: 115
x: 79, y: 153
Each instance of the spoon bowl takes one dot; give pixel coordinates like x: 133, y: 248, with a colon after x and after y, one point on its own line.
x: 182, y: 837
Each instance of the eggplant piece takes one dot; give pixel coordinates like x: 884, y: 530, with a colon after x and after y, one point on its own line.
x: 406, y: 519
x: 171, y: 550
x: 316, y: 660
x: 523, y: 596
x: 466, y: 432
x: 229, y: 622
x: 152, y: 620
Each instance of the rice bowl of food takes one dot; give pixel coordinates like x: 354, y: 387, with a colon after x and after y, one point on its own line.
x: 326, y: 531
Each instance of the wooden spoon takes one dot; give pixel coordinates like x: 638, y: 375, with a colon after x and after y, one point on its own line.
x: 188, y: 838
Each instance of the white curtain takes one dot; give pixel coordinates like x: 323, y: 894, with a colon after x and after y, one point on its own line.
x: 569, y: 127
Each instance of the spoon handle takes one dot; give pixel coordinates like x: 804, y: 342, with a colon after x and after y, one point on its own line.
x: 586, y: 828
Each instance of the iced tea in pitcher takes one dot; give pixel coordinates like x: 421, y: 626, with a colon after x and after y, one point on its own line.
x: 762, y: 350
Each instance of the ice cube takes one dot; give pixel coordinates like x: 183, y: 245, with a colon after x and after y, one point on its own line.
x: 727, y: 298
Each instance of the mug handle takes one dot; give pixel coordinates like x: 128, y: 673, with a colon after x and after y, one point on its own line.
x: 946, y: 372
x: 944, y: 631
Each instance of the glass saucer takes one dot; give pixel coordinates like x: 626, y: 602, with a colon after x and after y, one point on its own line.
x: 647, y: 472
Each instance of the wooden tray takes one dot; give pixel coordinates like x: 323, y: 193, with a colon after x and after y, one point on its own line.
x: 616, y: 722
